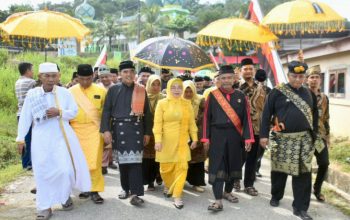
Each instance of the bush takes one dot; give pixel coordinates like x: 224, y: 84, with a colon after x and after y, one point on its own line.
x: 3, y: 56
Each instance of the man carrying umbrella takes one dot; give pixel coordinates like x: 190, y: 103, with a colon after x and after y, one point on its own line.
x: 250, y: 89
x: 322, y: 157
x: 226, y: 125
x: 295, y: 115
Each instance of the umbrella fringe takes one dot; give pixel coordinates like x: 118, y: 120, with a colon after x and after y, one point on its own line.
x: 238, y: 45
x: 307, y: 27
x: 172, y: 67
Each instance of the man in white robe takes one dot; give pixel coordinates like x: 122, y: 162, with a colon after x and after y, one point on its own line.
x: 59, y: 164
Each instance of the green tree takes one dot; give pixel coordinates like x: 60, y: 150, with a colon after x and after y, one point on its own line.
x: 20, y: 8
x: 107, y: 28
x: 179, y: 25
x: 151, y: 22
x: 3, y: 15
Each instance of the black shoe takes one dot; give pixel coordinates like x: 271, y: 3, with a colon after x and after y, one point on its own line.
x: 274, y: 203
x: 104, y: 170
x: 136, y: 201
x: 33, y: 191
x: 302, y: 214
x: 96, y: 198
x: 257, y: 174
x: 84, y: 195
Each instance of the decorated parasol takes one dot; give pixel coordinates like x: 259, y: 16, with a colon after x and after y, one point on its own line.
x: 172, y: 53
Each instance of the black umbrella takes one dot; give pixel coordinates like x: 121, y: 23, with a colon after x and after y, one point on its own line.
x: 172, y: 53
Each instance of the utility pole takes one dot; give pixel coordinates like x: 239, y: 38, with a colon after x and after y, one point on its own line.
x: 139, y: 22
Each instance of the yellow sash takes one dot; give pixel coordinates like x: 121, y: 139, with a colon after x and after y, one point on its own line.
x: 85, y: 104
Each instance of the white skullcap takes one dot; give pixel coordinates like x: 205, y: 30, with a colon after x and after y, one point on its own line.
x: 48, y: 68
x: 103, y: 69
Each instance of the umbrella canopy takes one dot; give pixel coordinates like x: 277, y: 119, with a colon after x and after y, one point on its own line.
x: 303, y: 16
x: 206, y: 72
x: 234, y: 33
x: 44, y: 24
x: 172, y: 53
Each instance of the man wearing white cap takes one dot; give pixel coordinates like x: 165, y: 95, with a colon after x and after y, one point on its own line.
x: 58, y: 162
x: 105, y: 77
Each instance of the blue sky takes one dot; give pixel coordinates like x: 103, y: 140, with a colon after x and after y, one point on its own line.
x: 342, y: 6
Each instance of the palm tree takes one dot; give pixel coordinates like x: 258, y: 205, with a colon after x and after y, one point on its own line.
x: 151, y: 20
x: 109, y: 28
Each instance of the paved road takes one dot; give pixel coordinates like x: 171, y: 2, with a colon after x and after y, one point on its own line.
x: 20, y: 204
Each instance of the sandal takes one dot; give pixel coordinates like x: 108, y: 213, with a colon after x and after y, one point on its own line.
x: 320, y: 197
x: 84, y: 195
x: 166, y: 193
x: 251, y: 191
x: 68, y: 205
x: 136, y: 201
x: 237, y: 185
x: 44, y: 214
x: 215, y: 207
x: 96, y: 198
x: 230, y: 197
x: 123, y: 195
x: 179, y: 204
x: 151, y: 187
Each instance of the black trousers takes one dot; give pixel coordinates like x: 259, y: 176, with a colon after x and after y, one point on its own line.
x: 196, y: 174
x: 322, y: 159
x: 131, y: 178
x: 218, y: 188
x: 260, y: 155
x: 250, y: 161
x: 150, y: 170
x: 301, y: 188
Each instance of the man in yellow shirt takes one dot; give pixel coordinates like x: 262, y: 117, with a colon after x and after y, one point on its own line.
x: 90, y: 99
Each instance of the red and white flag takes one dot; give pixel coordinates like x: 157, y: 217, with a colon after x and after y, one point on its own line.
x: 102, y: 59
x: 268, y: 57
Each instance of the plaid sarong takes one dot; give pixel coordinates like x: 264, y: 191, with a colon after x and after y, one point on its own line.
x: 291, y: 153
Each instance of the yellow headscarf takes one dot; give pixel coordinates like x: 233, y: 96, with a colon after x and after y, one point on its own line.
x: 196, y: 99
x: 153, y: 98
x: 168, y: 89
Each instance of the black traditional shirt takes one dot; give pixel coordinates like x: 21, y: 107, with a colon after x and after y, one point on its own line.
x: 278, y: 105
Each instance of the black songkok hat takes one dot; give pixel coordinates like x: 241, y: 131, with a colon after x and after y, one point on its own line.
x: 207, y: 78
x: 247, y: 61
x: 226, y: 69
x: 198, y: 79
x: 297, y: 67
x: 146, y: 70
x: 128, y: 64
x: 85, y: 70
x: 260, y: 75
x: 114, y: 70
x: 166, y: 71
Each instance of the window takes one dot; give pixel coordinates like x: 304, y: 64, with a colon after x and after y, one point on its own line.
x: 336, y: 87
x: 322, y: 83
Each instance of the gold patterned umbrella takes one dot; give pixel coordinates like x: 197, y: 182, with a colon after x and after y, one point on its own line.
x: 234, y: 33
x: 303, y: 16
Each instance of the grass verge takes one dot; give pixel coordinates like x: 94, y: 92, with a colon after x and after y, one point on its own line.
x: 9, y: 174
x: 336, y: 200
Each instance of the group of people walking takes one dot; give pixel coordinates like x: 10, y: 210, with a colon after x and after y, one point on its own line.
x: 161, y: 129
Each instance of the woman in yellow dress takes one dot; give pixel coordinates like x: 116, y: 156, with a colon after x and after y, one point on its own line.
x: 174, y: 125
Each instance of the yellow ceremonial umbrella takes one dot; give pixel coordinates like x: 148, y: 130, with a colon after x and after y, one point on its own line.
x: 234, y: 33
x: 303, y: 16
x: 44, y: 24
